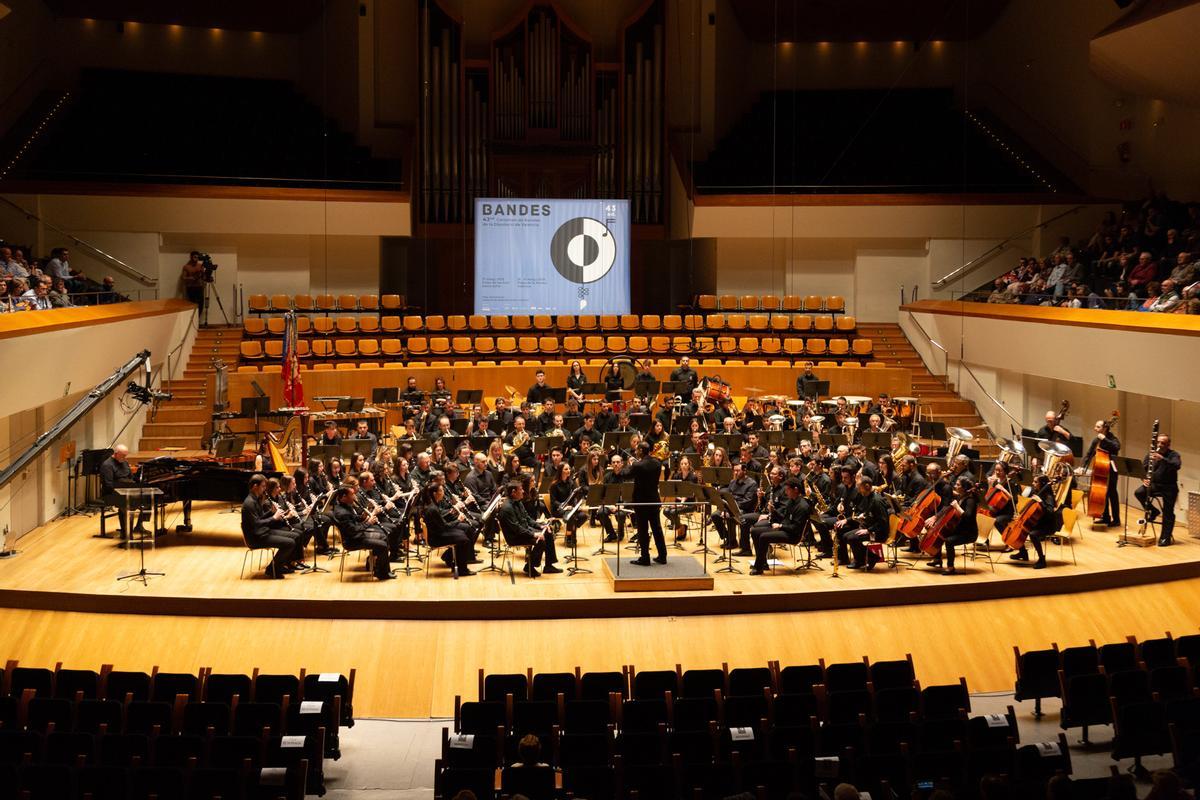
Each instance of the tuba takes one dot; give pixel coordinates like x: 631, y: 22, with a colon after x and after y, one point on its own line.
x: 958, y: 440
x: 907, y: 446
x: 1012, y: 452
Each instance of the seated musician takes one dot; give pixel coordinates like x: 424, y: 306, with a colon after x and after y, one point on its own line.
x: 410, y: 429
x: 613, y: 380
x: 1001, y: 480
x: 424, y: 470
x: 411, y: 394
x: 556, y: 428
x: 729, y: 426
x: 462, y: 458
x: 518, y: 443
x: 843, y: 458
x: 719, y: 458
x: 114, y: 474
x: 752, y: 417
x: 545, y: 421
x: 539, y: 392
x: 806, y: 384
x: 496, y: 459
x: 960, y: 467
x: 747, y: 460
x: 483, y: 485
x: 944, y: 489
x: 745, y: 493
x: 361, y: 433
x: 616, y: 473
x: 657, y: 433
x: 258, y: 520
x: 501, y: 417
x: 440, y: 394
x: 1047, y: 525
x: 513, y: 469
x: 675, y: 512
x: 386, y: 517
x: 697, y: 444
x: 786, y: 526
x: 723, y: 412
x: 358, y: 463
x: 685, y: 373
x: 867, y: 523
x: 667, y: 412
x: 520, y: 530
x: 442, y: 528
x: 313, y: 523
x: 1162, y: 466
x: 909, y: 481
x: 290, y: 522
x: 397, y: 485
x: 575, y: 382
x: 874, y: 424
x: 330, y: 435
x: 443, y: 428
x: 563, y: 488
x: 606, y: 418
x: 965, y: 531
x: 769, y: 496
x: 588, y: 429
x: 482, y: 426
x: 535, y: 506
x: 865, y: 464
x: 887, y: 474
x: 759, y: 452
x: 881, y: 402
x: 831, y: 527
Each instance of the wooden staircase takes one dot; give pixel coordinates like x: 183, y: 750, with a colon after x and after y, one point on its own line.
x: 183, y: 422
x: 936, y: 393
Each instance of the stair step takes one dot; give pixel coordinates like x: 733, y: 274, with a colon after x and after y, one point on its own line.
x: 159, y: 429
x: 159, y: 442
x: 178, y: 412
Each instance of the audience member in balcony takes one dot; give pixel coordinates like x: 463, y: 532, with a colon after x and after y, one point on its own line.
x: 1153, y: 292
x: 38, y: 297
x: 9, y: 263
x: 1168, y: 298
x: 1143, y: 272
x: 59, y: 265
x: 1036, y: 294
x: 108, y: 293
x: 1000, y: 292
x: 1184, y: 271
x: 1056, y: 281
x: 192, y: 277
x: 59, y: 296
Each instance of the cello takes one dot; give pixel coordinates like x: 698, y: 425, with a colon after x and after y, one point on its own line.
x: 912, y: 521
x: 1101, y: 475
x: 1017, y: 531
x: 931, y: 539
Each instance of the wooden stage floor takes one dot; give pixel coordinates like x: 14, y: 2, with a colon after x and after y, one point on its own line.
x: 63, y: 567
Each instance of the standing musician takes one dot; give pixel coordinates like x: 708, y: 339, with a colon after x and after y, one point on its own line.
x: 361, y: 433
x: 645, y: 373
x: 539, y: 392
x: 359, y: 533
x: 806, y: 384
x: 645, y: 472
x: 259, y: 528
x: 870, y: 515
x: 613, y: 382
x: 745, y: 494
x: 447, y: 529
x: 520, y: 530
x: 1047, y: 525
x: 575, y: 381
x: 1053, y: 430
x: 965, y: 531
x: 684, y: 372
x: 674, y: 513
x: 769, y: 496
x: 1108, y: 442
x: 411, y: 394
x: 1162, y: 481
x: 786, y: 526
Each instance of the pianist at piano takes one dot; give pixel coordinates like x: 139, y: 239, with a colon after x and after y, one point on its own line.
x: 115, y: 473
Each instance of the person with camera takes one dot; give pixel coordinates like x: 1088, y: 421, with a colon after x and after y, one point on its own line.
x: 193, y: 279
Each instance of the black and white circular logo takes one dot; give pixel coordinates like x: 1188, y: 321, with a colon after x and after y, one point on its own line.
x: 583, y: 250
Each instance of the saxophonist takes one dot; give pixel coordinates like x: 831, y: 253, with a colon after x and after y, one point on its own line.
x: 745, y: 493
x: 520, y: 530
x: 869, y: 522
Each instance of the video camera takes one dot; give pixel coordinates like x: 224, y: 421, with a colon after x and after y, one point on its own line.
x: 209, y: 267
x: 144, y: 394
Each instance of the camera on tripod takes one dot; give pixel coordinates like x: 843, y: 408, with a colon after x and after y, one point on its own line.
x: 209, y: 267
x: 144, y: 394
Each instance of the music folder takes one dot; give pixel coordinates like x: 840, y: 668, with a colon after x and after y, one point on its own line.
x: 558, y: 395
x: 255, y: 406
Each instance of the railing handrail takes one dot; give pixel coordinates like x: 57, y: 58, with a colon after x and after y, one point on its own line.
x: 117, y: 263
x: 962, y: 270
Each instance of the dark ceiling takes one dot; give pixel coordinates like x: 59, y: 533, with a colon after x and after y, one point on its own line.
x: 274, y: 16
x: 865, y: 20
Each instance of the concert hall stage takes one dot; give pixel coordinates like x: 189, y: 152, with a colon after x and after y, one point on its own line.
x: 61, y: 566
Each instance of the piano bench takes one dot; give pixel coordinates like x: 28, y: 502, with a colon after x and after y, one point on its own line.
x: 106, y: 513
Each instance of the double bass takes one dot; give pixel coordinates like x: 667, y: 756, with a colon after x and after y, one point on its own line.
x: 1101, y: 474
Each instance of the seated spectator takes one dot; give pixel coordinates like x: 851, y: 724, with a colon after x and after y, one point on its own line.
x: 59, y: 296
x: 59, y: 266
x: 1142, y: 273
x: 38, y: 297
x: 1153, y: 292
x: 108, y: 294
x: 999, y: 292
x: 9, y: 263
x: 1168, y: 299
x: 1184, y: 271
x: 1037, y: 296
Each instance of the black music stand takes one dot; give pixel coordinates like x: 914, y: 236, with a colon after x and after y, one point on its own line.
x: 677, y: 441
x: 644, y: 388
x: 876, y: 441
x: 716, y: 476
x: 459, y: 425
x: 351, y: 405
x: 480, y: 443
x: 834, y: 439
x: 595, y: 390
x: 1135, y: 469
x: 252, y: 407
x: 816, y: 389
x: 641, y: 422
x: 324, y: 452
x: 351, y: 447
x: 708, y: 497
x: 232, y: 446
x: 681, y: 424
x: 932, y: 430
x: 733, y: 516
x: 469, y: 397
x: 617, y: 440
x: 732, y: 442
x: 595, y: 498
x: 382, y: 395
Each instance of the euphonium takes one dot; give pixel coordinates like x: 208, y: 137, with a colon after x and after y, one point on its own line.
x: 905, y: 447
x: 661, y: 450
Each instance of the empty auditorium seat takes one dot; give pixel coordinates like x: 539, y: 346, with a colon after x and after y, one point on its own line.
x: 862, y: 347
x: 706, y: 302
x: 368, y: 302
x: 392, y: 348
x: 303, y: 325
x: 303, y: 348
x: 521, y: 322
x: 780, y: 322
x: 548, y: 345
x: 303, y: 302
x: 506, y: 345
x: 771, y: 347
x: 639, y: 345
x: 793, y: 347
x: 566, y: 322
x: 791, y: 302
x: 813, y: 302
x: 822, y: 323
x: 273, y: 348
x: 456, y: 322
x: 368, y: 348
x: 672, y: 322
x: 801, y: 322
x: 325, y: 302
x: 748, y: 345
x: 609, y: 322
x: 254, y: 326
x: 413, y: 323
x: 835, y: 304
x: 651, y: 322
x: 461, y: 345
x: 542, y: 322
x: 477, y: 322
x: 498, y: 322
x: 839, y: 347
x: 485, y: 345
x: 757, y: 322
x: 345, y: 325
x: 345, y: 348
x: 418, y: 346
x: 572, y: 345
x: 391, y: 302
x: 345, y: 365
x: 616, y: 345
x: 252, y: 349
x: 660, y: 345
x: 769, y: 302
x: 594, y: 345
x: 435, y: 322
x: 845, y: 323
x: 714, y: 322
x: 727, y: 302
x: 629, y: 322
x: 815, y: 347
x: 322, y: 367
x: 748, y: 302
x: 681, y: 344
x: 368, y: 324
x: 726, y: 344
x: 736, y: 322
x: 323, y: 326
x: 587, y: 322
x: 439, y: 346
x: 281, y: 302
x: 390, y: 324
x: 347, y: 302
x: 322, y: 348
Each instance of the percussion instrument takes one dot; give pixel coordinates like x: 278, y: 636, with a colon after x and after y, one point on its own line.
x: 857, y: 404
x: 905, y: 406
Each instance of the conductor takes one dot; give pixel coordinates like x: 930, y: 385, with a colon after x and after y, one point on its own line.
x: 645, y: 472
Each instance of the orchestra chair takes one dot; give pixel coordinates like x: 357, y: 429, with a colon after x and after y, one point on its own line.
x: 509, y: 549
x: 780, y: 323
x: 543, y: 322
x: 572, y: 345
x: 368, y: 302
x: 527, y: 345
x: 845, y: 324
x: 325, y: 303
x: 254, y: 326
x: 368, y: 324
x: 835, y: 304
x: 461, y: 345
x: 639, y: 345
x: 706, y: 302
x: 347, y: 302
x: 368, y: 348
x: 439, y: 346
x: 815, y: 347
x: 748, y: 302
x: 391, y: 302
x: 651, y: 322
x: 418, y: 346
x: 1076, y: 499
x: 477, y: 322
x: 521, y: 322
x: 435, y: 549
x: 862, y: 347
x: 681, y: 344
x: 1063, y: 536
x: 273, y: 369
x: 499, y: 322
x: 822, y: 323
x: 280, y: 303
x: 273, y: 348
x: 256, y: 551
x: 748, y: 345
x: 802, y: 323
x: 735, y: 322
x: 435, y: 322
x: 758, y: 322
x: 258, y: 303
x: 629, y: 323
x: 251, y: 350
x: 390, y: 324
x: 566, y: 322
x: 392, y: 348
x: 345, y: 348
x: 323, y: 326
x: 727, y: 302
x: 303, y: 302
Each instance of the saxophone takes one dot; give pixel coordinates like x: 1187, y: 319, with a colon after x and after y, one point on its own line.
x: 818, y: 501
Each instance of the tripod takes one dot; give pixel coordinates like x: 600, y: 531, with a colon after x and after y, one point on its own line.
x: 210, y: 291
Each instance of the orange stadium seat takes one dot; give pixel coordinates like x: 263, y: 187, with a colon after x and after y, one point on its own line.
x: 793, y: 347
x: 323, y: 326
x: 485, y: 345
x: 542, y: 322
x: 345, y: 325
x: 822, y: 323
x: 769, y: 302
x: 704, y: 344
x: 877, y: 364
x: 839, y: 347
x: 594, y: 345
x: 477, y: 322
x: 273, y: 348
x: 714, y: 322
x: 322, y: 348
x: 681, y: 344
x: 418, y: 346
x: 566, y: 322
x: 413, y: 323
x: 736, y: 322
x: 252, y: 349
x: 748, y: 302
x: 629, y: 322
x: 368, y: 348
x: 748, y: 345
x: 439, y: 346
x: 639, y: 345
x: 693, y: 322
x: 498, y: 322
x: 835, y: 303
x: 813, y: 302
x: 758, y: 322
x: 651, y: 322
x: 827, y: 363
x: 548, y: 345
x: 345, y: 348
x: 435, y: 322
x: 862, y: 347
x: 527, y: 345
x: 393, y: 365
x: 845, y: 323
x: 322, y: 367
x: 587, y: 322
x: 390, y: 324
x: 391, y: 302
x: 506, y: 345
x: 456, y: 322
x: 706, y: 302
x: 325, y: 302
x: 303, y: 302
x: 254, y: 326
x: 771, y: 347
x: 851, y: 364
x: 344, y: 365
x: 368, y: 323
x: 368, y: 365
x: 801, y: 322
x: 727, y: 302
x: 258, y: 302
x: 609, y: 322
x: 303, y: 326
x: 461, y: 345
x: 281, y: 302
x: 660, y: 345
x: 347, y: 302
x: 672, y: 322
x: 780, y: 322
x: 791, y: 302
x: 521, y: 322
x: 303, y: 348
x: 815, y: 347
x: 726, y: 344
x: 368, y: 302
x: 392, y: 348
x: 248, y: 368
x: 572, y: 345
x: 616, y: 345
